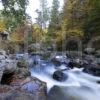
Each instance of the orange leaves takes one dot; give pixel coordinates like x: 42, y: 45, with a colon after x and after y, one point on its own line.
x: 19, y: 34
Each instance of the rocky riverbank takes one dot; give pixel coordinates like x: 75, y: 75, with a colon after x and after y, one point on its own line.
x: 17, y: 83
x: 90, y: 62
x: 21, y: 88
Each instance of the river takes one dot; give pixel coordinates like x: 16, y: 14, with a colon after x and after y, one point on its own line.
x: 85, y: 83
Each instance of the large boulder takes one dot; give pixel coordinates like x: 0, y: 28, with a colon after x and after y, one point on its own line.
x: 89, y: 58
x: 73, y: 93
x: 56, y: 62
x: 75, y: 63
x: 59, y: 59
x: 7, y: 67
x: 97, y: 55
x: 89, y: 51
x: 59, y: 76
x: 10, y: 68
x: 22, y: 88
x: 94, y: 70
x: 71, y: 64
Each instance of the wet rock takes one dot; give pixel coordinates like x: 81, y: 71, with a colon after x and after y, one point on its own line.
x: 90, y: 64
x: 56, y: 62
x: 22, y: 88
x: 94, y: 70
x: 22, y: 63
x: 34, y: 59
x: 91, y: 67
x: 97, y: 55
x: 89, y: 51
x: 16, y: 95
x: 75, y: 63
x: 71, y: 64
x: 59, y: 76
x: 85, y: 64
x: 32, y: 62
x: 89, y: 58
x: 98, y: 61
x: 20, y: 56
x: 35, y: 62
x: 31, y: 85
x: 72, y: 93
x: 59, y: 59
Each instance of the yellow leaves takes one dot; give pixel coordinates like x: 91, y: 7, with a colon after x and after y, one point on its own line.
x: 45, y: 30
x: 69, y: 5
x: 59, y: 36
x: 36, y: 26
x: 75, y: 32
x: 65, y: 24
x: 37, y: 33
x: 2, y: 25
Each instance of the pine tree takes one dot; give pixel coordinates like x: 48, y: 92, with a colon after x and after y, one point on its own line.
x: 43, y: 14
x: 54, y: 18
x: 92, y: 24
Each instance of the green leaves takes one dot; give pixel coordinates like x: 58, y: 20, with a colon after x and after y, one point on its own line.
x: 14, y: 12
x: 92, y: 24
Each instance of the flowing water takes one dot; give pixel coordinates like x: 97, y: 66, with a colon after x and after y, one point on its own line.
x: 76, y: 78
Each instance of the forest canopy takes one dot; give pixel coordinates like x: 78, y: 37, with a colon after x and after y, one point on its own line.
x: 77, y: 18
